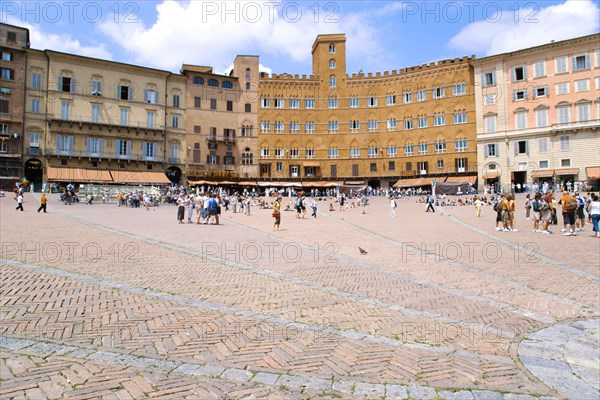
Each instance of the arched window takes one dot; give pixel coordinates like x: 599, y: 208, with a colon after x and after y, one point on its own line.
x: 213, y: 83
x: 197, y: 80
x: 247, y: 73
x: 227, y: 85
x: 247, y: 86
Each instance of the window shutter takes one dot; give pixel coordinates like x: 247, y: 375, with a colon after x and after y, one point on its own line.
x: 514, y: 96
x: 516, y: 148
x: 89, y: 144
x: 157, y: 100
x: 524, y: 71
x: 486, y: 151
x: 587, y: 60
x: 100, y: 145
x: 466, y: 165
x: 527, y: 147
x: 129, y: 148
x: 118, y: 91
x: 129, y: 93
x: 493, y: 77
x: 59, y: 142
x: 59, y: 84
x: 512, y: 75
x: 208, y: 158
x: 73, y: 85
x: 574, y: 59
x: 483, y: 82
x: 146, y: 96
x: 497, y: 151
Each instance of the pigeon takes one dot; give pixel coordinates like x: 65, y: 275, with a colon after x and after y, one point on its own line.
x: 362, y: 251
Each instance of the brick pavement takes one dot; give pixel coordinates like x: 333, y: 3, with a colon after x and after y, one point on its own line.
x: 414, y: 317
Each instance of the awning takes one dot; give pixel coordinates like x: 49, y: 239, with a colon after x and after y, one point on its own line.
x: 593, y: 172
x: 311, y: 164
x: 227, y: 183
x: 314, y: 184
x: 411, y: 182
x: 136, y: 177
x: 567, y: 171
x: 491, y: 175
x: 196, y: 183
x: 79, y: 175
x: 548, y: 173
x: 332, y: 184
x: 247, y: 183
x: 460, y: 179
x: 355, y: 183
x: 279, y: 184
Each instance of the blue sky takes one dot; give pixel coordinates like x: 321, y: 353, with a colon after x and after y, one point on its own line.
x: 381, y: 35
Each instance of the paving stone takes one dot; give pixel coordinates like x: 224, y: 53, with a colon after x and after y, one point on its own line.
x: 421, y: 392
x: 238, y: 375
x: 266, y: 378
x: 396, y: 392
x: 512, y: 396
x: 369, y: 389
x: 458, y: 395
x: 486, y: 395
x: 299, y: 381
x: 343, y: 386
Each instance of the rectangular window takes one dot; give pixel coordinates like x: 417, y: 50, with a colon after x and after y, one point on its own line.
x: 150, y: 117
x: 34, y: 139
x: 197, y: 129
x: 565, y: 143
x: 422, y: 167
x: 124, y: 92
x: 540, y: 91
x: 563, y: 115
x: 7, y: 73
x: 440, y: 164
x: 488, y: 78
x: 213, y: 104
x: 583, y: 113
x: 539, y: 69
x: 543, y: 145
x: 279, y: 103
x: 565, y: 162
x: 66, y: 84
x: 581, y: 62
x: 521, y: 120
x: 422, y: 95
x: 371, y: 101
x: 519, y: 95
x: 7, y: 56
x: 124, y: 116
x: 541, y: 117
x: 518, y: 73
x: 354, y: 169
x: 562, y: 88
x: 248, y: 107
x: 149, y: 150
x: 561, y: 65
x: 279, y: 166
x: 544, y: 164
x: 36, y: 80
x: 294, y: 103
x: 489, y: 99
x: 35, y: 105
x: 461, y: 165
x: 65, y: 110
x: 521, y: 147
x: 438, y: 92
x: 229, y: 105
x: 265, y: 103
x: 490, y: 124
x: 176, y: 100
x: 150, y: 96
x: 309, y: 103
x: 373, y: 167
x: 197, y: 102
x: 582, y: 85
x: 3, y: 106
x: 175, y: 121
x: 392, y: 165
x: 491, y: 150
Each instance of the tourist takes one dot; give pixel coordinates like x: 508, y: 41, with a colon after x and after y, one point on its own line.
x: 189, y: 205
x: 593, y: 210
x: 180, y: 208
x: 20, y: 201
x: 313, y: 206
x: 430, y: 201
x: 198, y: 206
x: 569, y: 206
x: 527, y: 207
x: 546, y: 212
x: 537, y: 214
x: 43, y: 201
x: 580, y: 213
x: 277, y: 213
x: 392, y: 207
x: 478, y: 204
x: 511, y: 213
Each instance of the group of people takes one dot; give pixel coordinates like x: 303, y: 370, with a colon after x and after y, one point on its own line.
x: 544, y: 209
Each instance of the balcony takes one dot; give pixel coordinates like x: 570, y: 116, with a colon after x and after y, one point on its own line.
x: 34, y: 151
x: 110, y: 123
x: 104, y: 156
x: 174, y: 160
x: 225, y: 139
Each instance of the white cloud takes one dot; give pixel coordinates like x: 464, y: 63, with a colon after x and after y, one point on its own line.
x: 573, y: 18
x: 40, y: 39
x: 201, y: 32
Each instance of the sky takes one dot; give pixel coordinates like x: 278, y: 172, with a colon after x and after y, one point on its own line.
x: 381, y: 35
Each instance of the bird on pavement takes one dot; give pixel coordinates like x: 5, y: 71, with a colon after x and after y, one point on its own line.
x: 362, y: 251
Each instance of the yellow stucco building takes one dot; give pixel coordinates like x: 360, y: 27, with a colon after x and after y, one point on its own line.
x: 414, y: 124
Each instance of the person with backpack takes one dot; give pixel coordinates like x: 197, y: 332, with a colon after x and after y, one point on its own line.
x: 569, y: 207
x: 213, y: 210
x: 580, y: 213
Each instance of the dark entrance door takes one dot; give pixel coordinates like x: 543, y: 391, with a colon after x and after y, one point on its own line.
x: 520, y: 177
x: 34, y: 173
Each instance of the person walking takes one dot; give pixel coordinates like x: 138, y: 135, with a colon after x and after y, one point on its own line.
x: 277, y: 213
x: 43, y: 202
x: 20, y: 202
x: 180, y: 209
x: 593, y: 208
x: 392, y: 207
x: 430, y: 201
x: 478, y: 204
x: 527, y: 207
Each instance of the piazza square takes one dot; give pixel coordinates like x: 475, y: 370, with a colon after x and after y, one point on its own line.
x: 102, y: 301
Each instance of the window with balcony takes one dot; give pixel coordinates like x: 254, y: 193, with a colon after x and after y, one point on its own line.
x: 149, y: 150
x: 123, y: 148
x: 563, y: 115
x: 583, y: 112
